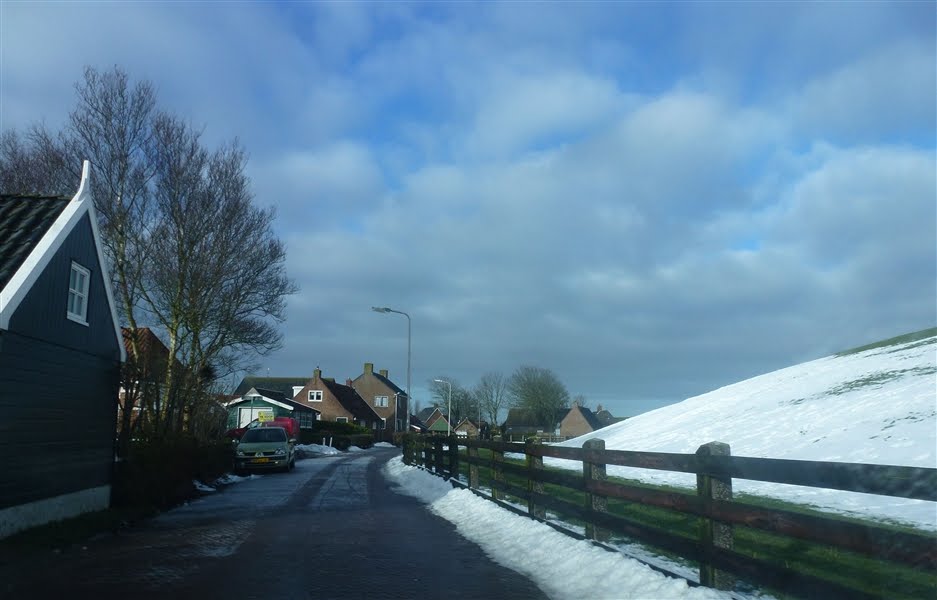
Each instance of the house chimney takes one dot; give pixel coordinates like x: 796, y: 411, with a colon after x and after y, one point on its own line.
x: 368, y: 368
x: 348, y: 382
x: 383, y: 373
x: 317, y: 373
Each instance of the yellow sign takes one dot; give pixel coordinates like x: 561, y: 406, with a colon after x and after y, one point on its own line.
x: 264, y: 416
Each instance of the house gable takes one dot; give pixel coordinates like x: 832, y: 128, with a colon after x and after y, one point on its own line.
x: 44, y: 264
x: 383, y: 396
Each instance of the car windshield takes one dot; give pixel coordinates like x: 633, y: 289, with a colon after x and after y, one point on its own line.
x: 265, y: 434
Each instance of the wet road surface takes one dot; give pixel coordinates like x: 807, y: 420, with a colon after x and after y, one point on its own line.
x: 333, y: 528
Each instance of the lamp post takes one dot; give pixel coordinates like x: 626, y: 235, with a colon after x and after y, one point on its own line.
x: 449, y: 415
x: 384, y: 309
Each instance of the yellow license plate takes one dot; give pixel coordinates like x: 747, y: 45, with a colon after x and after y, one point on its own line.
x: 260, y: 460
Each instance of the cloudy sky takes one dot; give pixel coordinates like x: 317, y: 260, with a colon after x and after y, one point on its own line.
x: 653, y: 200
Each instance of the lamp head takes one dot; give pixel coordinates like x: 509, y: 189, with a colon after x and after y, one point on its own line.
x: 380, y: 309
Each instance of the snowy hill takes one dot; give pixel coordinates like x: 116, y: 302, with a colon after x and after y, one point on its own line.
x: 877, y: 405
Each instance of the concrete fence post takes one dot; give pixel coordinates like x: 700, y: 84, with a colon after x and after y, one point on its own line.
x: 534, y: 486
x: 595, y: 471
x: 714, y: 534
x: 427, y: 452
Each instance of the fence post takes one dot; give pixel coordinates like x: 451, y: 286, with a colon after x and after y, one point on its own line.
x: 437, y: 455
x: 714, y: 534
x: 473, y: 467
x: 453, y: 456
x: 497, y: 474
x: 594, y: 502
x: 427, y: 453
x: 534, y: 486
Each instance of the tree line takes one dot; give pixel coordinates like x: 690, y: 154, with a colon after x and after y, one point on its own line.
x: 535, y: 389
x: 191, y: 254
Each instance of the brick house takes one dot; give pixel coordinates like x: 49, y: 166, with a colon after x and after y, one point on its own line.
x: 337, y: 402
x: 579, y: 421
x: 383, y: 396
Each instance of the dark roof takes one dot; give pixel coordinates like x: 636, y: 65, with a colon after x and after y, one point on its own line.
x: 389, y: 384
x: 284, y: 385
x: 353, y: 403
x: 591, y: 418
x: 415, y: 421
x: 605, y: 418
x: 525, y: 418
x: 23, y: 222
x: 426, y: 413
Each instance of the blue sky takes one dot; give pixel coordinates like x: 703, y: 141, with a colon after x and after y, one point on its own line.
x: 653, y: 200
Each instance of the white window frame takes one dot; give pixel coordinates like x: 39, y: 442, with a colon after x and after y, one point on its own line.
x: 381, y: 401
x: 341, y: 419
x: 315, y: 395
x: 79, y: 294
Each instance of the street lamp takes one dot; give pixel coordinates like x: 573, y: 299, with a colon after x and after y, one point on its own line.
x: 449, y: 415
x: 384, y: 309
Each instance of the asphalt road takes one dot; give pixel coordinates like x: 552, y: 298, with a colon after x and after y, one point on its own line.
x: 333, y: 528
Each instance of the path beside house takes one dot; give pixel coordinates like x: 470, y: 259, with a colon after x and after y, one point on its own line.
x: 331, y: 529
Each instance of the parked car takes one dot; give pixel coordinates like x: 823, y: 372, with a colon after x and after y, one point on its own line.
x: 290, y: 424
x: 265, y: 449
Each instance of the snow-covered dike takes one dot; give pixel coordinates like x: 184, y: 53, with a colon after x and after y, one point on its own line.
x: 563, y: 567
x: 877, y: 406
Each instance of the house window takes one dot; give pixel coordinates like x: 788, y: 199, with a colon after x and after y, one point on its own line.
x: 315, y: 395
x: 383, y: 423
x: 318, y: 416
x: 341, y: 419
x: 79, y: 281
x: 380, y: 401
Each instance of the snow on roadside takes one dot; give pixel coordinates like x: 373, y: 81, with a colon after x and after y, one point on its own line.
x: 384, y: 445
x: 310, y: 449
x: 202, y: 487
x: 531, y: 548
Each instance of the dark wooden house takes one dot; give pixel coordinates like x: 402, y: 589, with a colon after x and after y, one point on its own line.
x: 60, y: 357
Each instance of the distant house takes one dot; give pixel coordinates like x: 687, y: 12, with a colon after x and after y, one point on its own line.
x: 467, y: 428
x: 288, y: 386
x: 337, y: 402
x: 142, y: 377
x: 606, y: 418
x: 60, y: 358
x: 417, y: 425
x: 434, y: 420
x: 384, y: 396
x: 256, y: 401
x: 579, y: 421
x: 522, y: 423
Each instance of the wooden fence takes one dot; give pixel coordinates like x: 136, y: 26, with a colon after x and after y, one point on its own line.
x: 715, y: 468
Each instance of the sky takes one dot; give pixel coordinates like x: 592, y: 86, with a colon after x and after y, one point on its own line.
x: 652, y: 200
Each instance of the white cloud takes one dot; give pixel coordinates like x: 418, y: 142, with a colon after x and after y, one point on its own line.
x: 892, y: 92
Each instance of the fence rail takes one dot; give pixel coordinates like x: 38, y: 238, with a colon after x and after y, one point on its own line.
x: 712, y: 504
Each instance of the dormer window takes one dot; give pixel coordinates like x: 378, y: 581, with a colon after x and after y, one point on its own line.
x: 315, y: 395
x: 79, y: 281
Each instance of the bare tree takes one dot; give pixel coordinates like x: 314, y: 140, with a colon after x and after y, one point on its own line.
x: 581, y: 401
x: 463, y: 401
x: 491, y: 393
x: 189, y: 251
x: 540, y: 391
